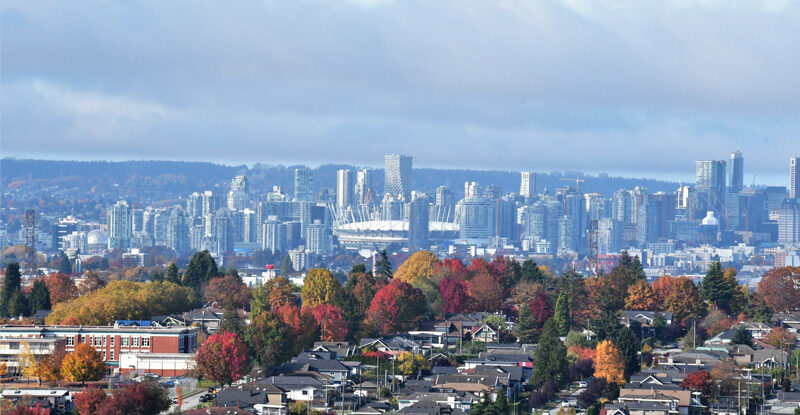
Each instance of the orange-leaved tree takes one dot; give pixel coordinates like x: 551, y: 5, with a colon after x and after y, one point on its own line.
x: 641, y: 297
x: 82, y: 365
x: 608, y: 363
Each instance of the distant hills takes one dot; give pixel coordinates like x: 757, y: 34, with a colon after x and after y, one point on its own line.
x: 181, y: 176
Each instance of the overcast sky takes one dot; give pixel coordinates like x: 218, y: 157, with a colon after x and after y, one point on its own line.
x: 630, y: 87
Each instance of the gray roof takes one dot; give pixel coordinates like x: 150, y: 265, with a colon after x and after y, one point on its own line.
x: 293, y: 381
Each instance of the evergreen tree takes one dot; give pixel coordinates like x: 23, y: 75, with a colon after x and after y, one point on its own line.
x: 715, y: 289
x: 501, y: 403
x: 626, y: 260
x: 562, y: 315
x: 172, y: 274
x: 64, y: 265
x: 628, y: 346
x: 17, y: 305
x: 201, y: 269
x: 762, y: 313
x: 530, y: 272
x: 11, y: 284
x: 156, y: 276
x: 40, y: 297
x: 358, y: 269
x: 607, y: 325
x: 742, y: 336
x: 550, y: 362
x: 637, y: 270
x: 383, y: 267
x: 231, y: 322
x: 526, y: 326
x: 287, y: 268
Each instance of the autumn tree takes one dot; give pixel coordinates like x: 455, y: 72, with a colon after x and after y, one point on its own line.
x: 609, y: 364
x: 540, y: 309
x: 89, y: 400
x: 699, y: 381
x: 420, y: 265
x: 221, y: 290
x: 304, y: 327
x: 410, y: 364
x: 269, y: 340
x: 485, y: 293
x: 455, y: 294
x: 332, y: 323
x: 201, y: 269
x: 223, y: 358
x: 433, y: 297
x: 84, y: 364
x: 450, y: 267
x: 780, y: 338
x: 138, y: 398
x: 684, y: 302
x: 319, y: 287
x: 662, y: 288
x: 61, y: 288
x: 397, y: 307
x: 727, y: 376
x: 550, y: 358
x: 641, y: 297
x: 272, y: 294
x: 91, y: 283
x: 780, y: 288
x: 124, y: 300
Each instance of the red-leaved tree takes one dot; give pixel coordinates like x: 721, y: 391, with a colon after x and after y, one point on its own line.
x: 89, y: 400
x: 140, y: 398
x: 698, y: 381
x: 223, y: 358
x: 780, y: 288
x: 302, y: 323
x: 397, y: 307
x: 485, y: 292
x: 228, y: 288
x: 540, y: 308
x: 332, y: 323
x: 455, y: 294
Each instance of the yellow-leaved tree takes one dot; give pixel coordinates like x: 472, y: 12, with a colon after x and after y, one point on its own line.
x: 28, y: 365
x: 82, y: 365
x: 410, y: 363
x: 608, y: 363
x: 419, y: 265
x: 319, y: 287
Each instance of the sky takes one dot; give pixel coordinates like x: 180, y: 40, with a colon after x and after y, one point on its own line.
x: 630, y: 87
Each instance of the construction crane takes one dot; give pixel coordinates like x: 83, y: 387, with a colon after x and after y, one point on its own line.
x: 577, y: 181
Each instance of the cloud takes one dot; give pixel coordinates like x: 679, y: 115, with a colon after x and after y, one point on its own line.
x: 637, y: 87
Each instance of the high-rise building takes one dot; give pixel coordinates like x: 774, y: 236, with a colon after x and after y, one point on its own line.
x: 418, y: 215
x: 794, y: 178
x: 736, y: 173
x: 391, y: 208
x: 160, y: 228
x: 178, y: 231
x: 194, y: 206
x: 398, y: 179
x: 222, y: 234
x: 274, y: 235
x: 317, y: 239
x: 711, y: 186
x: 303, y: 185
x: 527, y: 186
x: 609, y: 236
x: 363, y: 191
x: 120, y: 226
x: 238, y: 196
x: 475, y: 218
x: 472, y: 189
x: 444, y: 205
x: 344, y: 189
x: 211, y: 203
x: 789, y: 222
x: 621, y: 206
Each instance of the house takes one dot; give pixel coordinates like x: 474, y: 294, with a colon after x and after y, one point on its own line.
x: 451, y: 399
x: 390, y: 344
x: 266, y: 399
x: 475, y: 383
x: 742, y: 354
x: 298, y: 388
x: 485, y: 333
x: 56, y: 400
x: 771, y: 358
x: 637, y: 408
x: 429, y: 408
x: 339, y: 349
x: 654, y: 399
x: 208, y: 318
x: 320, y: 362
x: 645, y: 318
x: 701, y: 358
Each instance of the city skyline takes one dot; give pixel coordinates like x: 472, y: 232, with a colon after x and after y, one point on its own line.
x: 536, y: 90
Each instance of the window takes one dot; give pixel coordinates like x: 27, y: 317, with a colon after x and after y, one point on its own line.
x: 104, y: 355
x: 13, y: 345
x: 104, y: 340
x: 145, y: 341
x: 98, y: 341
x: 124, y: 342
x: 112, y: 355
x: 70, y: 341
x: 112, y: 340
x: 135, y: 342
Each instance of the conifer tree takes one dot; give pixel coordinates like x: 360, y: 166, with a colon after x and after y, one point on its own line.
x: 39, y: 298
x: 201, y: 269
x: 383, y: 267
x: 550, y: 362
x: 172, y: 274
x: 526, y: 326
x: 716, y: 289
x: 11, y: 285
x: 562, y: 315
x: 628, y: 346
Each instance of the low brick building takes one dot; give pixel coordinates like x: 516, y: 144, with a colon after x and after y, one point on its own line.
x: 112, y: 341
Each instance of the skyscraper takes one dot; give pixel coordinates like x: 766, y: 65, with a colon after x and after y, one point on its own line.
x: 363, y: 191
x: 178, y: 231
x: 711, y: 187
x: 120, y: 227
x: 476, y: 218
x: 418, y: 214
x: 317, y: 240
x: 794, y: 178
x: 789, y: 222
x: 736, y: 173
x: 397, y: 171
x: 344, y: 189
x: 238, y: 196
x: 303, y: 185
x: 527, y: 186
x: 274, y: 235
